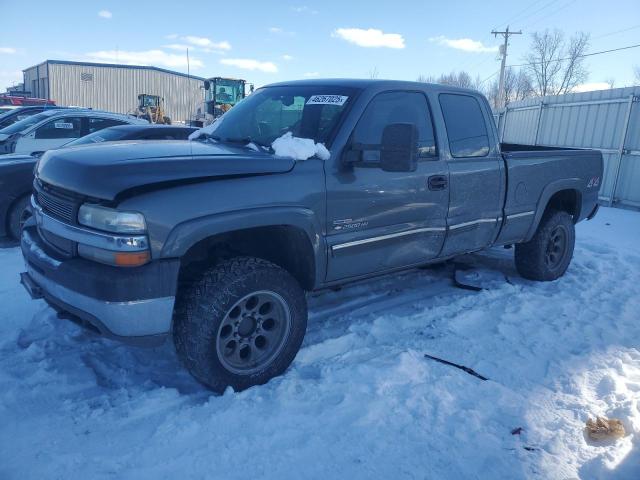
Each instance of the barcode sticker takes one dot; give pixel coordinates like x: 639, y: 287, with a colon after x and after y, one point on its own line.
x: 327, y: 100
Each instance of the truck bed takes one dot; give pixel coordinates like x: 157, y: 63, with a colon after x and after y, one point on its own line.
x: 534, y: 173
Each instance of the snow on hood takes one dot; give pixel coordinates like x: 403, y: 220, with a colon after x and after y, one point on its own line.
x: 208, y: 130
x: 299, y: 148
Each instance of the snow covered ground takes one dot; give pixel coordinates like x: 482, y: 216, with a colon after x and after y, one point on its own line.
x: 360, y: 400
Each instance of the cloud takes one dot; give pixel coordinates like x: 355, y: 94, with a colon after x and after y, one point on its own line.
x: 8, y: 50
x: 310, y: 74
x: 250, y: 64
x: 465, y: 44
x: 288, y: 58
x: 280, y: 31
x: 177, y: 46
x: 590, y: 87
x: 371, y: 37
x: 105, y: 14
x: 146, y: 57
x: 195, y: 43
x: 304, y: 9
x: 207, y: 43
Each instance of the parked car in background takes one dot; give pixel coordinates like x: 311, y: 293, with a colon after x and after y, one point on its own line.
x: 7, y: 109
x: 54, y: 128
x: 11, y: 115
x: 16, y: 170
x: 136, y: 132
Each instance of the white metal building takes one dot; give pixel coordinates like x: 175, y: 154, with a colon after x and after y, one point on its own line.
x: 112, y: 87
x: 608, y: 120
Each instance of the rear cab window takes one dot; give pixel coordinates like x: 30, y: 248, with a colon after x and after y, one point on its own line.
x: 465, y: 124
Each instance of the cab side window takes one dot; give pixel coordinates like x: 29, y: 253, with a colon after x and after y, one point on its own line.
x: 395, y: 107
x: 96, y: 124
x: 466, y: 129
x: 65, y: 127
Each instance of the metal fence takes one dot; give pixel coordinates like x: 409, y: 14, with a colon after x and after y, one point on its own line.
x: 607, y: 120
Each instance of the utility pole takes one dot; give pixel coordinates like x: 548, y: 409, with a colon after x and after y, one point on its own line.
x: 503, y: 52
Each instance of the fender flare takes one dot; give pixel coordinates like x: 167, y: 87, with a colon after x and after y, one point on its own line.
x: 549, y: 191
x: 186, y: 234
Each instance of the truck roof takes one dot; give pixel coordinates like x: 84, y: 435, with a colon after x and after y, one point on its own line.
x: 363, y: 83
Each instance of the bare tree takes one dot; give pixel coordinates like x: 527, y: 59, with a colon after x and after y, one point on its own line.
x: 636, y: 71
x: 517, y: 86
x: 556, y: 66
x: 456, y: 79
x: 426, y: 79
x: 373, y: 73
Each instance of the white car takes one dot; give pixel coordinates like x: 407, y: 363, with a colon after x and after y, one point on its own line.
x: 54, y: 128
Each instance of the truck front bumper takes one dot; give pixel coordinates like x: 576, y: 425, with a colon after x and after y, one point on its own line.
x: 133, y: 305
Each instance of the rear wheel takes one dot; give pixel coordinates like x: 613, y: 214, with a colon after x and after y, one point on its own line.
x: 548, y: 254
x: 18, y: 215
x: 241, y: 324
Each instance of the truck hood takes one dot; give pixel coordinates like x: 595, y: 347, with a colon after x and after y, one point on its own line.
x: 108, y: 169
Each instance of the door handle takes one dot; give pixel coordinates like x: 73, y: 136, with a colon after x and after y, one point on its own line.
x: 437, y: 182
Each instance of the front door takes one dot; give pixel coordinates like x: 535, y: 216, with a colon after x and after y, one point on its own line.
x: 475, y: 176
x: 379, y: 220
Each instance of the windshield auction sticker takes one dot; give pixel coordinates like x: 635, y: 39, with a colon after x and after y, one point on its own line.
x: 327, y: 100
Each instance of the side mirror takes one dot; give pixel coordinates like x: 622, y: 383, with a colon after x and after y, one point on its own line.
x: 207, y: 84
x: 399, y: 149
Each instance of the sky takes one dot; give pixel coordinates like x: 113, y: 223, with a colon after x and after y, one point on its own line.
x: 268, y: 41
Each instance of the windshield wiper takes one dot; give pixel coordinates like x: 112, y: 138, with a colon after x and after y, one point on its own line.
x: 246, y: 141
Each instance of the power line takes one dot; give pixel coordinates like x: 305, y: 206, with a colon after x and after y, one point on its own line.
x: 490, y: 76
x: 530, y: 14
x: 617, y: 31
x: 577, y: 56
x: 550, y: 14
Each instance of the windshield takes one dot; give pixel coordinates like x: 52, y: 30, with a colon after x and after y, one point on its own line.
x: 106, y: 135
x: 25, y: 123
x: 305, y: 111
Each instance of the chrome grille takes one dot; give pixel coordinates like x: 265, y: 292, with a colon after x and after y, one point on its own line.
x: 56, y: 205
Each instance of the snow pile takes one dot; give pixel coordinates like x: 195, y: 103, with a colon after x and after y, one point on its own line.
x: 208, y: 130
x: 360, y: 400
x: 299, y: 148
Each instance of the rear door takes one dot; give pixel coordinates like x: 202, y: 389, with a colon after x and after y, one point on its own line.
x: 378, y: 220
x: 95, y: 124
x: 476, y: 180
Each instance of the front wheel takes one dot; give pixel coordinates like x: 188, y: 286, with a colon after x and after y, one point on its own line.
x: 241, y: 324
x: 548, y: 254
x: 18, y: 215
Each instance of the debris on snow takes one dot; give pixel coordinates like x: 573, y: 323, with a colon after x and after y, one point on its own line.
x: 470, y: 371
x: 603, y: 428
x: 299, y: 148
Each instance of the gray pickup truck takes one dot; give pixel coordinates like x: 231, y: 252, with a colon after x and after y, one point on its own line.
x: 215, y: 241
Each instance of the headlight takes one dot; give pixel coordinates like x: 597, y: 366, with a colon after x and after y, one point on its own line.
x: 111, y: 220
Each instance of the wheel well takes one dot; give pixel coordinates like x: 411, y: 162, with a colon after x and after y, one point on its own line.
x: 286, y: 246
x: 566, y: 200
